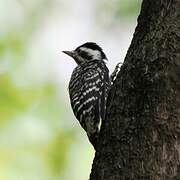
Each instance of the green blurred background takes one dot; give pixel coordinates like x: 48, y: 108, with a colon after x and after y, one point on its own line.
x: 39, y: 137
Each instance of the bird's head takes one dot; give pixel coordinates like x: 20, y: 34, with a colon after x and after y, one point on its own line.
x: 87, y: 52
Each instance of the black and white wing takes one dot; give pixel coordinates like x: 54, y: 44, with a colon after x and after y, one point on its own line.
x: 88, y: 90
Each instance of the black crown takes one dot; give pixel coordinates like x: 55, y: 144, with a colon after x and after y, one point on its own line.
x: 93, y: 46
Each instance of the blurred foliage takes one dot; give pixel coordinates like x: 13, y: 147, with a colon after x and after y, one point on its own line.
x: 120, y: 8
x: 57, y: 159
x: 109, y: 12
x: 13, y: 42
x: 127, y: 8
x: 38, y: 101
x: 12, y: 99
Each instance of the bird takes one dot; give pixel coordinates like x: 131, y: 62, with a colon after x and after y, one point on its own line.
x: 88, y: 88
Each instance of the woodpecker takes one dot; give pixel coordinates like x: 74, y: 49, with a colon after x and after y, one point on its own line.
x: 88, y: 88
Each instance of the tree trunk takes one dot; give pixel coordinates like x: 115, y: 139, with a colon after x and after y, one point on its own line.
x: 140, y: 138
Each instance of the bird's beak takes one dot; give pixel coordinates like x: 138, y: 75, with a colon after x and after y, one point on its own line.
x: 69, y: 53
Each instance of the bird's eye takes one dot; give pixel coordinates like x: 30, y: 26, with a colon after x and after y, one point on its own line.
x: 83, y: 54
x: 78, y: 51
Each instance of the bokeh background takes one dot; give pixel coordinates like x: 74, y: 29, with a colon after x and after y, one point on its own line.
x: 39, y: 137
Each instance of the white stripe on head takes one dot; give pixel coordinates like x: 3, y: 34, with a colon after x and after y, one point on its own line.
x: 94, y: 53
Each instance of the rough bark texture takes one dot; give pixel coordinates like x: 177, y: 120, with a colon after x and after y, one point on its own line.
x: 140, y: 138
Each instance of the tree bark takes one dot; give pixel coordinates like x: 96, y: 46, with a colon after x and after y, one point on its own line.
x: 140, y: 138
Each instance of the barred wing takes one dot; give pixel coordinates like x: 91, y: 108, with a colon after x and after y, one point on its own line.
x: 88, y: 97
